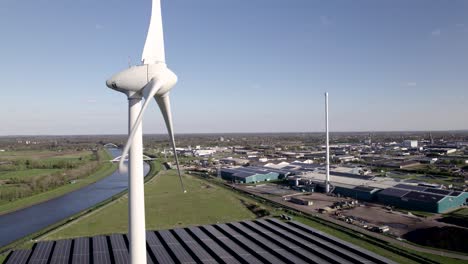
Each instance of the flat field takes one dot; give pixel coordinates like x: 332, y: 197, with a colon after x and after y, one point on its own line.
x: 30, y: 177
x: 166, y: 207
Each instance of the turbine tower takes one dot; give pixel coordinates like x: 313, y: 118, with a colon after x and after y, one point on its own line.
x: 327, y: 163
x: 150, y: 79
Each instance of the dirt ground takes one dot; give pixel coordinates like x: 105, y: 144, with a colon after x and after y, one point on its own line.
x: 398, y: 222
x: 279, y: 193
x: 367, y: 213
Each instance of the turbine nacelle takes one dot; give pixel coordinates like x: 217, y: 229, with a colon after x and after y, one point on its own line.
x: 135, y: 78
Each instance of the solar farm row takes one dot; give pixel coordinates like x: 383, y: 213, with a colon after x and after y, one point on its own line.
x: 259, y: 241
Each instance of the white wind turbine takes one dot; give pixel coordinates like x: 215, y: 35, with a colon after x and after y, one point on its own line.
x: 151, y: 79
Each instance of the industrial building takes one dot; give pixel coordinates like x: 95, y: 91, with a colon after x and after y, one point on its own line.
x: 349, y: 182
x: 252, y: 174
x: 357, y: 192
x: 422, y: 198
x: 259, y: 241
x: 410, y: 143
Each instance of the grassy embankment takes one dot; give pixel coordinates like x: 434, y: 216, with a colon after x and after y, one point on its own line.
x: 166, y: 207
x: 25, y: 179
x: 458, y: 217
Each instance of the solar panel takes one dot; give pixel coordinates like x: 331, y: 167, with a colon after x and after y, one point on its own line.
x: 176, y: 248
x: 196, y: 249
x: 410, y: 187
x: 101, y: 250
x: 394, y: 192
x: 81, y: 250
x: 364, y: 188
x: 212, y: 246
x: 41, y: 252
x: 119, y: 248
x: 157, y: 248
x: 438, y: 191
x: 61, y: 252
x: 231, y: 245
x: 423, y: 197
x: 455, y: 193
x: 315, y: 243
x: 343, y: 247
x: 19, y: 257
x: 248, y: 245
x: 291, y: 245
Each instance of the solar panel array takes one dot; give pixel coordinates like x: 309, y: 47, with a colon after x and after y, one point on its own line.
x: 424, y: 197
x: 259, y: 241
x: 394, y: 192
x: 438, y: 191
x: 418, y: 193
x: 411, y: 187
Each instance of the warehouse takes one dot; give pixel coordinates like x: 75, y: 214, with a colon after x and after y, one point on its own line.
x: 422, y: 198
x: 251, y: 174
x: 357, y: 192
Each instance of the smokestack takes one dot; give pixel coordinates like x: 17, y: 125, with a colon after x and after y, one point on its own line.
x: 327, y: 164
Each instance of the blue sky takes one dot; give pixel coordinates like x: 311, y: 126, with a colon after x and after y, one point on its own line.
x: 243, y: 65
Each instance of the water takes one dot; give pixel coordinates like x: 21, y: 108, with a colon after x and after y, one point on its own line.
x: 21, y: 223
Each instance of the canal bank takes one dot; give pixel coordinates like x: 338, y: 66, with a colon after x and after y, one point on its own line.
x: 25, y: 222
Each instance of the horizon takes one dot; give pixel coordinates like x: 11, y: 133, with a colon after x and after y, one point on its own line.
x: 237, y: 133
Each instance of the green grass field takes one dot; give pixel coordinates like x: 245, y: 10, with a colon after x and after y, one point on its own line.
x: 461, y: 213
x: 5, y: 175
x: 9, y: 171
x: 43, y: 154
x: 102, y: 172
x: 105, y: 169
x: 166, y: 207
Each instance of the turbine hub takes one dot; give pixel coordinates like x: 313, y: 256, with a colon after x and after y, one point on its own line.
x: 135, y: 78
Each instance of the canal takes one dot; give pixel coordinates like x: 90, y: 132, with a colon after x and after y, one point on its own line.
x: 18, y: 224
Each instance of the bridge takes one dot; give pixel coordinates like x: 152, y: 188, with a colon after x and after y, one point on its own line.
x: 111, y: 145
x: 126, y: 158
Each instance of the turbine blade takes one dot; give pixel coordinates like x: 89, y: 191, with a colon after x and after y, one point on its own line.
x: 153, y: 51
x: 165, y: 106
x: 148, y: 92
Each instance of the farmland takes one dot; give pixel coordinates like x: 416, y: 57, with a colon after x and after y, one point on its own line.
x: 31, y: 176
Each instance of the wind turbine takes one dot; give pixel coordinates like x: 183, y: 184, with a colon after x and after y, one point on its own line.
x: 152, y: 79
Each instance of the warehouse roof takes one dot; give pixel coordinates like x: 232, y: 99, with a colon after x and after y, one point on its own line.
x: 253, y: 170
x: 259, y: 241
x: 419, y: 193
x: 411, y: 187
x: 424, y: 197
x: 394, y: 192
